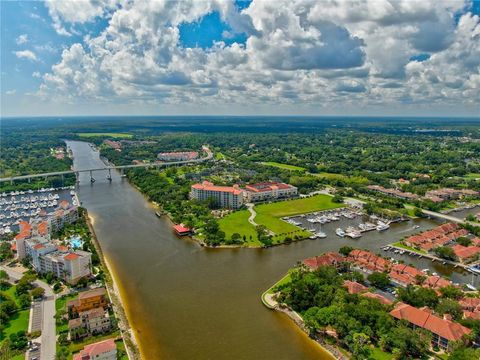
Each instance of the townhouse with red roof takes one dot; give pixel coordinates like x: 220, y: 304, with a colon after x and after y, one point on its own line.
x: 470, y: 308
x: 444, y: 331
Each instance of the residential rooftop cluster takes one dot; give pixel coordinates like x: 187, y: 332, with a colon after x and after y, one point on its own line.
x: 177, y: 156
x: 446, y: 235
x: 437, y: 195
x: 444, y: 330
x: 233, y: 197
x: 34, y: 242
x: 88, y: 314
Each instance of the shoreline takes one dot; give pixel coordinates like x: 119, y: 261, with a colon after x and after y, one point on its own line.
x: 128, y: 337
x: 271, y: 304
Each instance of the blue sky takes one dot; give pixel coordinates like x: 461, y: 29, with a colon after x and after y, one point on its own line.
x: 240, y: 57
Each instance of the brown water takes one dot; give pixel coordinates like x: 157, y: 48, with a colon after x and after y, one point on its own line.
x: 187, y: 302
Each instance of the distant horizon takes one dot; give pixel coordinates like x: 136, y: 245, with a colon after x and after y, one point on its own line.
x: 246, y: 116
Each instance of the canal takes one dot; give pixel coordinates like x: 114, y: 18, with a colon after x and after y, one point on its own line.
x: 188, y: 302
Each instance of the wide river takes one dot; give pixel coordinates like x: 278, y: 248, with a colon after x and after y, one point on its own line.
x: 188, y: 302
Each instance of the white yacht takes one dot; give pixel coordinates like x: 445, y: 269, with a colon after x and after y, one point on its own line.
x: 381, y: 226
x: 340, y: 232
x: 321, y: 235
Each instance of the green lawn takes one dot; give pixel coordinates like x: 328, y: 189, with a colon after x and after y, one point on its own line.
x: 283, y: 166
x: 283, y: 280
x: 379, y: 354
x: 474, y: 176
x: 237, y: 222
x: 61, y: 303
x: 345, y: 178
x: 298, y: 206
x: 403, y: 246
x: 106, y: 134
x: 16, y: 323
x: 219, y: 156
x: 270, y: 215
x: 121, y: 349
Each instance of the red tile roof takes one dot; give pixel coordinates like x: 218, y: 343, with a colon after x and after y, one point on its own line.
x: 465, y: 252
x: 42, y: 228
x: 181, y: 229
x: 354, y: 287
x: 329, y: 258
x: 24, y: 231
x: 378, y: 297
x: 267, y: 186
x: 424, y: 319
x: 92, y: 350
x: 208, y: 186
x: 39, y: 246
x: 71, y: 256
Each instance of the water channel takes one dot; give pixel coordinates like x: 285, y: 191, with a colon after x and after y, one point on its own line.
x: 188, y: 302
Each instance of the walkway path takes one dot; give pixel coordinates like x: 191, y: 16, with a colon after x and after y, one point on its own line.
x: 250, y: 208
x: 48, y: 338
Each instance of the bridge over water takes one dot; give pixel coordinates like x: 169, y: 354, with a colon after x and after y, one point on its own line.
x: 109, y: 169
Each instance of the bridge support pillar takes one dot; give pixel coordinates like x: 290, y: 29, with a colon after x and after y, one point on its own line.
x: 92, y: 180
x: 29, y: 180
x: 109, y: 176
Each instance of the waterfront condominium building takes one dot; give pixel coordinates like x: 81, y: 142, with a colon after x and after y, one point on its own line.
x: 269, y: 191
x: 177, y: 156
x: 230, y: 197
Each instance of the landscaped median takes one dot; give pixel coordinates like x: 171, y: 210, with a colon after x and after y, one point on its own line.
x: 270, y: 215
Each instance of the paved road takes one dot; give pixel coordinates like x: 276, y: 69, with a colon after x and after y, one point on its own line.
x: 48, y: 338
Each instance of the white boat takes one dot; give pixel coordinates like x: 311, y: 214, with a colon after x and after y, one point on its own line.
x: 340, y: 232
x: 321, y: 235
x: 313, y: 237
x: 381, y: 226
x: 471, y: 287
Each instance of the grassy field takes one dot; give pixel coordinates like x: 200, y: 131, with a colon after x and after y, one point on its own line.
x: 298, y: 206
x: 18, y: 322
x: 112, y: 135
x: 474, y: 176
x: 270, y: 215
x: 237, y: 222
x: 379, y: 354
x: 284, y: 166
x: 340, y: 177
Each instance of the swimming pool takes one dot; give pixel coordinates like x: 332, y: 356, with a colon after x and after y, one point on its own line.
x: 76, y: 242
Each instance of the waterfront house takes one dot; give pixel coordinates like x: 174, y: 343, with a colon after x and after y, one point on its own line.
x: 91, y: 322
x: 88, y: 300
x: 466, y: 253
x: 327, y: 259
x: 182, y: 230
x: 444, y: 331
x: 102, y: 350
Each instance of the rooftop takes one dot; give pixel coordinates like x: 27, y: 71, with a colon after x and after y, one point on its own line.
x: 425, y: 319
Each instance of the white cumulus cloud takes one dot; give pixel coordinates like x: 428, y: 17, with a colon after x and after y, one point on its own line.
x: 26, y: 54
